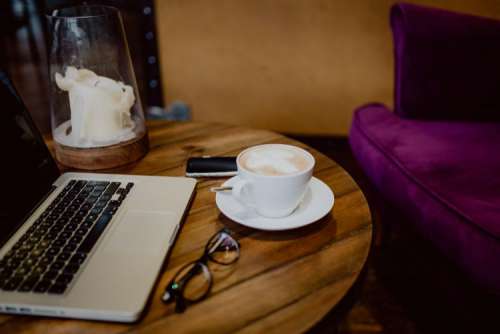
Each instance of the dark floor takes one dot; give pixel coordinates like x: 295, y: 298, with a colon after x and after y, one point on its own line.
x: 408, y: 286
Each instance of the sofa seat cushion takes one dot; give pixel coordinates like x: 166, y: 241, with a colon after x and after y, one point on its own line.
x: 445, y: 175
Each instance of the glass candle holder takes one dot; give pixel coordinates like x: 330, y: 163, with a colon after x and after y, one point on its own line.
x: 96, y: 112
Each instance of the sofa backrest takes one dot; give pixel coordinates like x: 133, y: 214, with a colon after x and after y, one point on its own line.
x: 447, y: 65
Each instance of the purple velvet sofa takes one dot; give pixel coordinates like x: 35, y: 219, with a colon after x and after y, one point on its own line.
x: 437, y: 156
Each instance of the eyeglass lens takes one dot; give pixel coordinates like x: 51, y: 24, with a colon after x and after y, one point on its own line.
x: 222, y: 248
x: 195, y: 280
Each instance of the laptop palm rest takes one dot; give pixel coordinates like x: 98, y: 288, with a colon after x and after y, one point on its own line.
x: 124, y: 280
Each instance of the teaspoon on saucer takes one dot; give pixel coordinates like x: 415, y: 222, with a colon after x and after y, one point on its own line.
x: 221, y: 189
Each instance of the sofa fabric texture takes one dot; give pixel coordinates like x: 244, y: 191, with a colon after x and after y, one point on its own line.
x: 447, y: 64
x: 444, y: 176
x: 436, y: 157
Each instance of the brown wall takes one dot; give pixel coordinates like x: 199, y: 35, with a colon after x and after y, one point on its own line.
x: 296, y: 66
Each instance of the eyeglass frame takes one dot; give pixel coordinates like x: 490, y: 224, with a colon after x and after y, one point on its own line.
x: 174, y: 290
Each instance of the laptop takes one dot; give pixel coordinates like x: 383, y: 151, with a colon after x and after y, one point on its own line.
x: 78, y: 245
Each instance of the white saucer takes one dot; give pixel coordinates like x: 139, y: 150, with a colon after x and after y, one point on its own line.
x: 317, y: 203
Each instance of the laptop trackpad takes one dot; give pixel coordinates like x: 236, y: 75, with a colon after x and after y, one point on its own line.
x: 141, y: 232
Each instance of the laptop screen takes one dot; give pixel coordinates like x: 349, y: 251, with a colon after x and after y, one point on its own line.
x: 27, y: 169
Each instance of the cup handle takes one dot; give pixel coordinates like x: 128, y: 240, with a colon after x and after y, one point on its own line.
x: 239, y: 193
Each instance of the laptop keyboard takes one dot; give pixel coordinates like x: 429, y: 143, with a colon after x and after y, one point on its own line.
x: 50, y: 253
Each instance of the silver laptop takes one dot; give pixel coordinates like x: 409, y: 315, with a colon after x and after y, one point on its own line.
x: 78, y: 245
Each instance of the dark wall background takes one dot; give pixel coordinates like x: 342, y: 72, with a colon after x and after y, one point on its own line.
x: 23, y: 49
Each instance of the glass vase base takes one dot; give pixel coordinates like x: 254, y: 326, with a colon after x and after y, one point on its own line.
x: 102, y: 157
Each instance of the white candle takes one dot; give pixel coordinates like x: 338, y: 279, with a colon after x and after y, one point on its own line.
x: 100, y: 106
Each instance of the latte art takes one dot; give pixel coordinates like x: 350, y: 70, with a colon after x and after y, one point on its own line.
x: 274, y: 160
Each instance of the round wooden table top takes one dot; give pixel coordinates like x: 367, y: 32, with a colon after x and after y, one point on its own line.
x: 283, y: 282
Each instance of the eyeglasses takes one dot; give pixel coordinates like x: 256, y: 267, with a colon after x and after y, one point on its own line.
x: 193, y: 282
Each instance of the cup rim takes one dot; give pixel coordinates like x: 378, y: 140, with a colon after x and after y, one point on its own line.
x: 305, y: 171
x: 109, y: 11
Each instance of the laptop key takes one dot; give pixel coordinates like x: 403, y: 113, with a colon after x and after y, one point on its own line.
x: 59, y: 243
x: 96, y: 211
x: 64, y: 256
x: 105, y: 197
x: 91, y: 217
x: 53, y: 251
x: 71, y: 268
x: 58, y: 288
x: 94, y: 233
x: 110, y: 191
x: 71, y: 227
x: 21, y: 271
x: 81, y: 231
x: 39, y: 270
x: 102, y: 184
x: 3, y: 281
x: 64, y: 278
x: 115, y: 185
x: 34, y: 239
x: 26, y: 246
x: 51, y: 274
x: 47, y: 258
x: 91, y: 200
x: 6, y: 274
x: 70, y: 247
x: 77, y: 219
x: 19, y: 256
x: 27, y: 285
x: 31, y: 261
x: 46, y: 225
x: 42, y: 286
x: 57, y: 265
x: 65, y: 235
x: 51, y: 235
x: 78, y: 258
x: 75, y: 239
x: 67, y: 214
x: 44, y: 243
x: 81, y: 213
x: 37, y: 252
x: 80, y: 184
x: 62, y: 221
x: 80, y: 199
x: 13, y: 264
x: 41, y: 247
x: 12, y: 284
x: 110, y: 210
x: 87, y: 224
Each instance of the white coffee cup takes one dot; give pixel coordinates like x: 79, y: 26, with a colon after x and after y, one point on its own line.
x: 273, y: 178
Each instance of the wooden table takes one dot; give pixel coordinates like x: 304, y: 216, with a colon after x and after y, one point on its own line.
x: 283, y: 282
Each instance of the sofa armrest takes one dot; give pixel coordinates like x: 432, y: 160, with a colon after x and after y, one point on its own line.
x: 447, y: 64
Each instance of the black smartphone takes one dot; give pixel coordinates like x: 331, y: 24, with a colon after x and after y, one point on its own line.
x: 211, y: 167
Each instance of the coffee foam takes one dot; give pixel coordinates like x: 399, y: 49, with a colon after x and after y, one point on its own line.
x: 274, y: 161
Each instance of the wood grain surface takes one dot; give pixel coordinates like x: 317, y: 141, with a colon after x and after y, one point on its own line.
x: 283, y: 282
